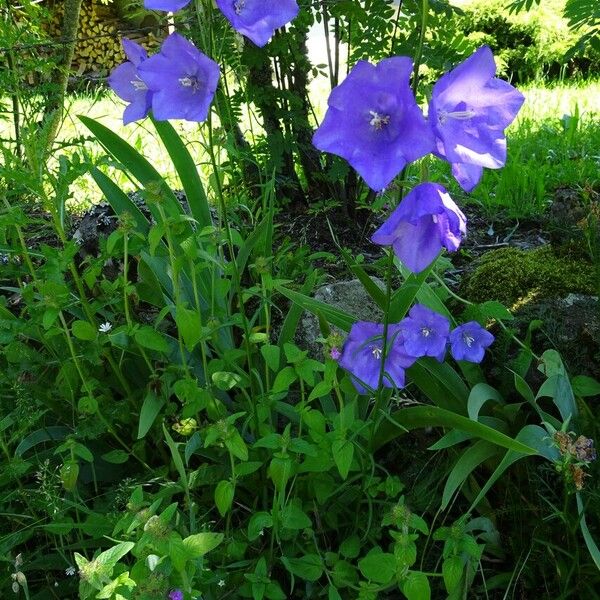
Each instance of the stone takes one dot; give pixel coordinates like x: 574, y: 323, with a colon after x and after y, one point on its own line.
x: 349, y: 296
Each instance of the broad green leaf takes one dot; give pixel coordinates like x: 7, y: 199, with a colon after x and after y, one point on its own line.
x: 479, y: 395
x: 309, y: 567
x: 199, y: 544
x: 151, y: 339
x: 150, y: 410
x: 224, y: 493
x: 452, y: 571
x: 53, y: 433
x: 120, y: 202
x: 468, y: 461
x: 417, y: 417
x: 379, y: 567
x: 83, y: 330
x: 335, y: 316
x: 343, y: 453
x: 584, y: 386
x: 290, y: 324
x: 187, y: 170
x: 416, y: 586
x: 116, y: 457
x: 258, y: 523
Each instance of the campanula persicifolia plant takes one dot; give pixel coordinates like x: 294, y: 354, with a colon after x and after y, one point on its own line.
x: 206, y: 454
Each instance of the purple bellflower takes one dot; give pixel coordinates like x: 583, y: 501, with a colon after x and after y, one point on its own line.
x: 126, y: 82
x: 426, y: 221
x: 166, y: 5
x: 176, y: 595
x: 363, y: 351
x: 425, y: 333
x: 469, y: 110
x: 374, y: 122
x: 469, y: 341
x: 183, y: 81
x: 258, y: 19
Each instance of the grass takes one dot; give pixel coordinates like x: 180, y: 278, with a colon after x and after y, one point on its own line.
x: 555, y: 142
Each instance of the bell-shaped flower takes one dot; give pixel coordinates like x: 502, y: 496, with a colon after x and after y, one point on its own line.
x: 127, y: 84
x: 469, y: 110
x: 425, y: 333
x: 166, y: 5
x: 363, y: 351
x: 374, y: 122
x: 426, y: 221
x: 183, y: 81
x: 258, y: 19
x: 469, y: 341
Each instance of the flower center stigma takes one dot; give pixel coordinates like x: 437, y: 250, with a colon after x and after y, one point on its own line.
x: 376, y: 351
x: 378, y: 121
x: 468, y: 339
x: 426, y: 331
x: 459, y: 115
x: 191, y: 82
x: 238, y: 6
x: 138, y: 84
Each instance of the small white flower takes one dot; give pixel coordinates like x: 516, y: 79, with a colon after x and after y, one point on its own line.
x: 105, y: 327
x: 221, y: 583
x: 70, y: 571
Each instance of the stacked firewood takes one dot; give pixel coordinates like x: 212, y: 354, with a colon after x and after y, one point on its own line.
x: 98, y: 48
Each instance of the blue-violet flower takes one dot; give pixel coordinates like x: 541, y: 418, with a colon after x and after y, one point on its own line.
x: 166, y: 5
x: 258, y: 19
x: 176, y: 595
x: 469, y: 341
x: 468, y: 111
x: 126, y: 82
x: 426, y: 221
x: 425, y: 333
x: 374, y: 122
x: 183, y: 81
x: 363, y: 351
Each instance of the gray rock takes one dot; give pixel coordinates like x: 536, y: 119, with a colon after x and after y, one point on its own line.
x: 349, y: 296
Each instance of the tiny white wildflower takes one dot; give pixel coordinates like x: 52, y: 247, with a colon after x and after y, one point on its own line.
x: 70, y: 571
x: 221, y: 583
x: 105, y: 327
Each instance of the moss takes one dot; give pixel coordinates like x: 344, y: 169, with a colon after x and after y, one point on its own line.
x: 511, y: 275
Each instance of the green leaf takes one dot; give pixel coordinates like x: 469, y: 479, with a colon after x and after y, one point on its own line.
x: 258, y: 522
x: 151, y: 339
x: 224, y: 493
x: 335, y: 316
x: 188, y: 324
x: 379, y: 567
x: 405, y: 296
x: 199, y: 544
x: 54, y: 433
x: 225, y: 381
x: 587, y: 536
x: 150, y: 410
x: 187, y: 171
x: 83, y: 330
x: 350, y: 547
x: 120, y: 202
x: 309, y: 567
x: 283, y: 380
x: 479, y: 395
x: 333, y: 594
x: 116, y: 457
x: 290, y: 324
x: 343, y: 453
x: 467, y: 462
x: 176, y: 457
x: 293, y: 517
x: 137, y: 166
x: 584, y: 386
x: 417, y: 417
x: 272, y: 356
x: 452, y: 570
x: 416, y: 587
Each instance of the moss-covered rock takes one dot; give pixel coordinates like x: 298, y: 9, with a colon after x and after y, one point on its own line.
x: 511, y: 275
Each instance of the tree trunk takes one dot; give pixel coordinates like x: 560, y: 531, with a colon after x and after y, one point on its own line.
x: 53, y: 113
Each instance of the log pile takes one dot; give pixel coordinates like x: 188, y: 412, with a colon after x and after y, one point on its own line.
x: 98, y: 49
